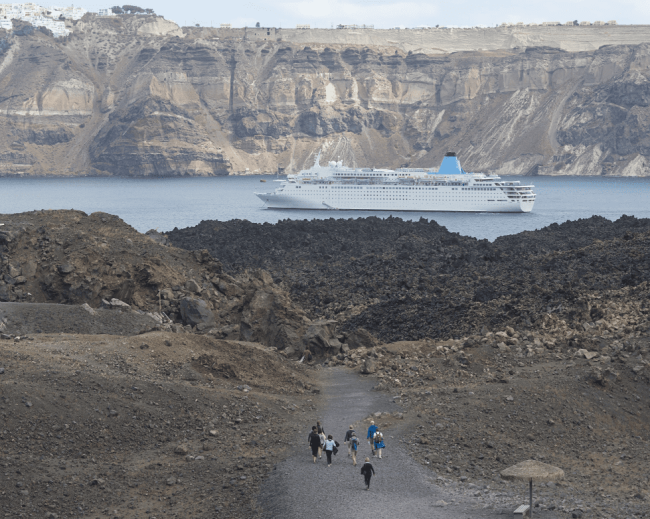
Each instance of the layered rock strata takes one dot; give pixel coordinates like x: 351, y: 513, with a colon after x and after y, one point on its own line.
x: 137, y: 96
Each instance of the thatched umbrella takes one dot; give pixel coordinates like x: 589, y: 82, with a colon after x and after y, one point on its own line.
x: 530, y: 471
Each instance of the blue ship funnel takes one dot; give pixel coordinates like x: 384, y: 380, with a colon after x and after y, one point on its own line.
x: 450, y: 165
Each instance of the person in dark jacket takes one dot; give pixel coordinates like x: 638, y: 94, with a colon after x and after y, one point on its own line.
x: 348, y: 435
x: 314, y: 441
x: 367, y: 472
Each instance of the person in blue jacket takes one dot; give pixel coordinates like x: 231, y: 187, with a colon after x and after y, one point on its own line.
x: 371, y: 434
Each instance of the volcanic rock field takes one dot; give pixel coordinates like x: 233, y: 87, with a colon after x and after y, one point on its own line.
x: 167, y: 374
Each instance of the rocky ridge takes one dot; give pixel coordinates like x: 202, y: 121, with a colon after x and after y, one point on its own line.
x: 416, y: 280
x: 97, y: 260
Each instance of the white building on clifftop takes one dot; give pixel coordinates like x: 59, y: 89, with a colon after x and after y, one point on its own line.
x: 39, y: 16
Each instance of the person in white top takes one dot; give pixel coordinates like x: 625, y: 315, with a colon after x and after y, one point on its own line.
x: 330, y: 447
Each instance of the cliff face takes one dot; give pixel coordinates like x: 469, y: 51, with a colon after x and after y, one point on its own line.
x: 137, y: 96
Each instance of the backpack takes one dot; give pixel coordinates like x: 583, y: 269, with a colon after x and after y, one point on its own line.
x: 335, y: 450
x: 355, y: 442
x: 320, y: 430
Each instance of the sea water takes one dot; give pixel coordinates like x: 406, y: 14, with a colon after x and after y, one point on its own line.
x: 165, y: 203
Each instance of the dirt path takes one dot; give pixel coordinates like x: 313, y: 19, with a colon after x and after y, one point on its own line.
x: 401, y: 487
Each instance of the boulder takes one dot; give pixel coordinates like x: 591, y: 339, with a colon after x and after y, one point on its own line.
x: 66, y: 268
x: 229, y: 289
x: 196, y: 312
x: 361, y: 338
x: 369, y: 366
x: 157, y: 237
x: 318, y: 337
x: 193, y: 286
x: 270, y: 319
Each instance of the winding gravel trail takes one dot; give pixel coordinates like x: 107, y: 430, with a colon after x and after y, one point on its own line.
x: 401, y: 487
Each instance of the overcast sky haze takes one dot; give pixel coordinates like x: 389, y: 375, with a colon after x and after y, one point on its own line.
x: 391, y: 13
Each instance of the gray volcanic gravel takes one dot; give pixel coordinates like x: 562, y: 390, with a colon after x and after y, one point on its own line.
x: 298, y: 488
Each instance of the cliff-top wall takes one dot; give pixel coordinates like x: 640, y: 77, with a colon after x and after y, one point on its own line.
x: 448, y: 40
x: 139, y: 96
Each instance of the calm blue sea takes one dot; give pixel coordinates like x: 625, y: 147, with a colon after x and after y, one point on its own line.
x: 180, y: 202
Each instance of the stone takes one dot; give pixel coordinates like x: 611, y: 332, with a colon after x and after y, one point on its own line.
x: 181, y: 449
x: 97, y: 481
x: 229, y: 289
x: 196, y: 311
x: 441, y: 503
x: 115, y: 304
x: 66, y: 268
x: 171, y: 481
x: 335, y: 343
x: 369, y: 367
x: 2, y: 371
x: 587, y: 354
x: 88, y: 309
x: 193, y: 286
x: 360, y: 338
x: 318, y: 335
x: 157, y: 237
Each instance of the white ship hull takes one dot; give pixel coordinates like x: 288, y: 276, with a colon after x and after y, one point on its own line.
x: 449, y: 189
x: 274, y: 201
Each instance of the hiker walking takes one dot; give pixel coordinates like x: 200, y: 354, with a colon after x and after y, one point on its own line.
x: 331, y: 447
x: 371, y: 433
x: 378, y: 443
x: 348, y: 435
x: 321, y: 432
x: 354, y: 445
x: 367, y: 472
x: 315, y: 442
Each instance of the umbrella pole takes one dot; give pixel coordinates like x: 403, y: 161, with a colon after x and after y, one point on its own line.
x: 531, y: 497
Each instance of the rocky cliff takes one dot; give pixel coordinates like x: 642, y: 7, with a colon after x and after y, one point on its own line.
x: 138, y: 96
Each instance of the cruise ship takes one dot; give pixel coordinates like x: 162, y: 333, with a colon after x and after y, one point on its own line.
x: 337, y: 187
